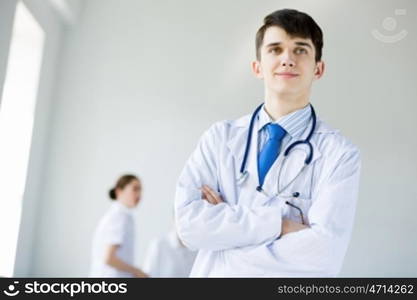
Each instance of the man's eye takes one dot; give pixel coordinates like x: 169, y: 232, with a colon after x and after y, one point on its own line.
x: 274, y: 50
x: 300, y: 51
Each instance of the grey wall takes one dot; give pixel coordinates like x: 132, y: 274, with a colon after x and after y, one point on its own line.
x: 138, y: 82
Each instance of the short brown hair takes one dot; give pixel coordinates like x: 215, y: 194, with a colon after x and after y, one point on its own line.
x: 121, y: 183
x: 296, y: 24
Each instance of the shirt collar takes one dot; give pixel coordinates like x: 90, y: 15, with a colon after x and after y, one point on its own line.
x: 294, y: 123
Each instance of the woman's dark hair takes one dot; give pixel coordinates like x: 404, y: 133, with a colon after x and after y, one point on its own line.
x: 296, y: 24
x: 121, y: 183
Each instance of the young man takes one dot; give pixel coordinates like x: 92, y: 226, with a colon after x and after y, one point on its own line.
x: 253, y: 202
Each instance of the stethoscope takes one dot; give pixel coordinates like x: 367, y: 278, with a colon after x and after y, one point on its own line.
x: 244, y: 173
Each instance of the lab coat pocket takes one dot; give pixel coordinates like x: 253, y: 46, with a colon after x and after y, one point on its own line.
x: 298, y: 197
x: 296, y: 209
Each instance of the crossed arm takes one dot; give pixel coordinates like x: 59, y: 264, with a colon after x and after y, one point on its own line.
x: 202, y: 225
x: 287, y: 225
x: 206, y: 222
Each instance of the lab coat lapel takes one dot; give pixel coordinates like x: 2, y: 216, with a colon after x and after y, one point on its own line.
x: 250, y: 195
x: 237, y: 143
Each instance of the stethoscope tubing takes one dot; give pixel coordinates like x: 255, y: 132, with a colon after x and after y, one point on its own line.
x: 244, y: 173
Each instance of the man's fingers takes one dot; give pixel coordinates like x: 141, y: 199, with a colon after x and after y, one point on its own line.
x: 207, y: 196
x: 204, y: 195
x: 210, y: 195
x: 213, y: 194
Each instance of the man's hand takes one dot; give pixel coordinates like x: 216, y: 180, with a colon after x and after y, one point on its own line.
x: 288, y: 226
x: 210, y: 195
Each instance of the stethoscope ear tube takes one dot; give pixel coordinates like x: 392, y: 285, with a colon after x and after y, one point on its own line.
x: 309, y: 157
x: 299, y: 210
x: 249, y: 139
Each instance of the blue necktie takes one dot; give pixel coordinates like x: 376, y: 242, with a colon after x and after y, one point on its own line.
x: 270, y: 151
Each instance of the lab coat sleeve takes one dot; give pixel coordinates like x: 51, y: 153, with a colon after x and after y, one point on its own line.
x: 319, y: 250
x: 201, y: 225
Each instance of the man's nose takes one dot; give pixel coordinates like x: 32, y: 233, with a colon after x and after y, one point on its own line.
x: 287, y: 61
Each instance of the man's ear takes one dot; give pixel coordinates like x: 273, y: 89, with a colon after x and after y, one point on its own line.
x: 319, y: 71
x: 257, y: 69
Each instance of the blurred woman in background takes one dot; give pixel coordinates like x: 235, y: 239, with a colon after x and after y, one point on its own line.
x: 114, y: 238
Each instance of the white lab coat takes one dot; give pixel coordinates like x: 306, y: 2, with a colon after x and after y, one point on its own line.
x: 167, y: 257
x: 241, y: 237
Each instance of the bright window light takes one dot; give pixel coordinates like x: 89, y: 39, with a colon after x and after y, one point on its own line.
x: 17, y: 110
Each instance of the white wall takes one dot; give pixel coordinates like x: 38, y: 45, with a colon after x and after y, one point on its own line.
x: 140, y: 80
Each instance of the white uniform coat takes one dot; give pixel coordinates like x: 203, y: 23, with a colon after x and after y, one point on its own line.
x: 241, y: 237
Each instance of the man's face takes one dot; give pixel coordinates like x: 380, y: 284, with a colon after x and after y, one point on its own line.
x: 287, y: 64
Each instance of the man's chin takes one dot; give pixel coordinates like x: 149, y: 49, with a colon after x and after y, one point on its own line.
x: 284, y: 90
